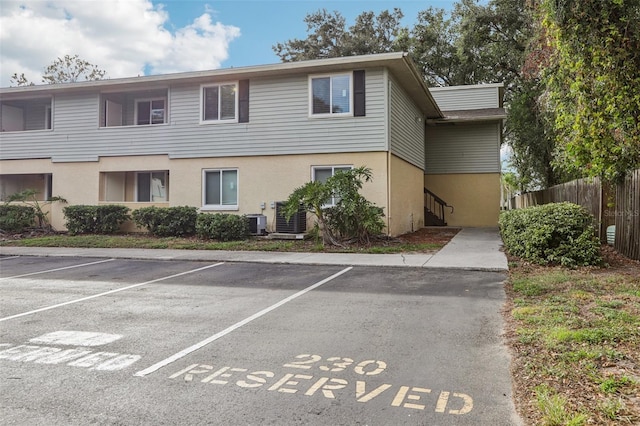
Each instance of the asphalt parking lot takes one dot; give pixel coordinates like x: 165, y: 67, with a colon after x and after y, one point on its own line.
x: 117, y: 341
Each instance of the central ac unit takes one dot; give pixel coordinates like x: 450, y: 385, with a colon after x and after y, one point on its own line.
x: 257, y: 224
x: 296, y: 225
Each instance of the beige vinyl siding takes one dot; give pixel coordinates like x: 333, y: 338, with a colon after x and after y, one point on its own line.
x: 463, y: 148
x: 467, y: 97
x: 406, y: 127
x: 279, y: 123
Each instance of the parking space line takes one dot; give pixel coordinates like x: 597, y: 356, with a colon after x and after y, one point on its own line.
x: 235, y: 326
x: 8, y: 257
x: 71, y: 302
x: 58, y: 269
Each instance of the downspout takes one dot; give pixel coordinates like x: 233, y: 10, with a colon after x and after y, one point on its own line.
x: 388, y: 147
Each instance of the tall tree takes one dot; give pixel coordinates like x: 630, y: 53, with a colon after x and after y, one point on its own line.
x: 493, y: 39
x: 329, y: 37
x: 593, y: 84
x: 67, y: 69
x: 530, y: 135
x: 474, y: 43
x: 432, y: 44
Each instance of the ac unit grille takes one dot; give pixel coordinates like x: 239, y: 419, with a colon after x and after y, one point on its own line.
x: 257, y: 224
x: 296, y: 225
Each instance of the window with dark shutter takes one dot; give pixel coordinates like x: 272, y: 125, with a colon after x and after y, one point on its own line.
x: 219, y: 103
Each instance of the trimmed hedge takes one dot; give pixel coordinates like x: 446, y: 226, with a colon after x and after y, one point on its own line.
x: 222, y: 227
x: 106, y: 219
x: 167, y: 221
x: 556, y: 233
x: 16, y: 218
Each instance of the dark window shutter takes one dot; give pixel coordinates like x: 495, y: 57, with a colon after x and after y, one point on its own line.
x: 358, y: 94
x: 243, y: 101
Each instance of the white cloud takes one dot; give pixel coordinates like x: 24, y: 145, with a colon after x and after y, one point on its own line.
x: 122, y: 37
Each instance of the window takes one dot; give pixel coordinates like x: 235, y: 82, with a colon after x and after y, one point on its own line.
x: 322, y: 173
x: 26, y: 114
x: 150, y: 111
x: 151, y: 186
x: 42, y: 183
x: 330, y: 95
x: 220, y: 189
x: 220, y: 103
x: 135, y: 186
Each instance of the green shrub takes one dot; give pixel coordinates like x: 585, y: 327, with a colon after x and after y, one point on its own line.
x: 110, y: 217
x: 556, y: 233
x: 82, y: 219
x: 222, y: 227
x: 14, y: 218
x: 356, y: 220
x: 167, y: 221
x: 352, y: 218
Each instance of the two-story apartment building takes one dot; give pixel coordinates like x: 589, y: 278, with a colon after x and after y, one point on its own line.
x: 239, y: 140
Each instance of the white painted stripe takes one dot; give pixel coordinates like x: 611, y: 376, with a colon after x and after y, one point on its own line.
x: 71, y: 302
x: 235, y: 326
x: 76, y: 338
x: 8, y: 257
x: 58, y: 269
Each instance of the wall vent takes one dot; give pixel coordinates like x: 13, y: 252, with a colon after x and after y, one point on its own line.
x: 296, y: 225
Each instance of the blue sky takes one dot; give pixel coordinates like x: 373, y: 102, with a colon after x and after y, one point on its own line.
x: 264, y: 23
x: 138, y: 37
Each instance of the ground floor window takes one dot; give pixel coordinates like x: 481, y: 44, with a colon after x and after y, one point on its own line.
x: 220, y: 189
x: 135, y: 186
x: 41, y: 183
x: 151, y: 186
x: 322, y: 173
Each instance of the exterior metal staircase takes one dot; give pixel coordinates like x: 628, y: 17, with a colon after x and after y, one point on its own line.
x: 434, y: 209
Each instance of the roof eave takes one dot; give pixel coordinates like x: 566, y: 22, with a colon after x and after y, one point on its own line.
x: 398, y: 63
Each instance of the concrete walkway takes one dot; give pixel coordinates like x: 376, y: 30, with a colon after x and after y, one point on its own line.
x: 471, y: 249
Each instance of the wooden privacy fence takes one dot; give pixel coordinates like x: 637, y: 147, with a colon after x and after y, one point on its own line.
x: 617, y: 205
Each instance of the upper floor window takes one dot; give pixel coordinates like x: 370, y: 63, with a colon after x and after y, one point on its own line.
x: 134, y: 108
x: 150, y: 111
x: 330, y: 94
x: 26, y: 114
x: 219, y: 103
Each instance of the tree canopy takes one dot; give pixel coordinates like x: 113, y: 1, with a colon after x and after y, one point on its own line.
x: 67, y: 69
x: 593, y: 84
x: 571, y: 71
x: 329, y: 37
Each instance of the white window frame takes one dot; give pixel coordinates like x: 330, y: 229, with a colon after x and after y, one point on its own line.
x: 333, y: 172
x: 236, y: 85
x: 150, y: 100
x: 219, y: 207
x: 330, y: 113
x: 150, y: 173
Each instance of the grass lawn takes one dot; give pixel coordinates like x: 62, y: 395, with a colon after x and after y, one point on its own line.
x: 575, y: 342
x: 426, y: 240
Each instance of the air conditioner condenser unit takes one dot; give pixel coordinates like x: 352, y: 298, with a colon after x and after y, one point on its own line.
x: 257, y: 224
x: 296, y: 225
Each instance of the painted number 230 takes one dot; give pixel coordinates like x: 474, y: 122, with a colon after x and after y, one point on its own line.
x: 334, y: 364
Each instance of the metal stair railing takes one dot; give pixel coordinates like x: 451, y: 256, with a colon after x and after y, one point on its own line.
x: 434, y: 206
